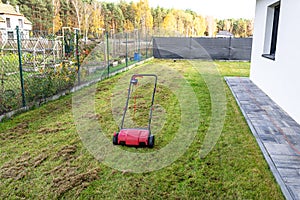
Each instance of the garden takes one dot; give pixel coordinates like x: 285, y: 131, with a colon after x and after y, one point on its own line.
x: 43, y: 153
x: 51, y: 66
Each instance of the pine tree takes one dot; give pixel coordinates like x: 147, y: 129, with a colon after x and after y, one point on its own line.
x: 94, y: 16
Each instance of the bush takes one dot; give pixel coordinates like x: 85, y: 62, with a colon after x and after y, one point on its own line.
x: 9, y: 100
x: 50, y: 81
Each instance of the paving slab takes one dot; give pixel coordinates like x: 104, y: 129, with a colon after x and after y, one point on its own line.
x: 276, y: 133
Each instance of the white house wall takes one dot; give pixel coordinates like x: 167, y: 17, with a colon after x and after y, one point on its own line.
x: 14, y: 23
x: 279, y: 78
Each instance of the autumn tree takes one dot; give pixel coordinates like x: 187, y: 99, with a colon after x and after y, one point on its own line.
x: 199, y: 25
x: 113, y: 17
x: 67, y: 13
x: 250, y: 26
x: 118, y: 20
x: 144, y: 17
x: 169, y: 23
x: 159, y: 15
x: 211, y: 26
x: 78, y: 7
x: 128, y: 13
x: 39, y: 12
x: 238, y: 27
x: 94, y: 16
x: 97, y: 20
x: 57, y: 23
x: 87, y: 11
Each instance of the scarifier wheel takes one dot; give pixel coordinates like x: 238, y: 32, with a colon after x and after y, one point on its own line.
x: 151, y: 141
x: 115, y: 139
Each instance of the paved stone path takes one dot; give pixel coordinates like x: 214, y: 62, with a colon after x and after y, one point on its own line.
x: 277, y: 134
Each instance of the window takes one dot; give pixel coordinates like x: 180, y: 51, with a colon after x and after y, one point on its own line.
x: 20, y: 23
x: 8, y: 25
x: 275, y: 30
x: 10, y: 35
x: 271, y: 33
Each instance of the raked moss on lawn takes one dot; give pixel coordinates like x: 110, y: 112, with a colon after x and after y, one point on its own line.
x: 43, y: 157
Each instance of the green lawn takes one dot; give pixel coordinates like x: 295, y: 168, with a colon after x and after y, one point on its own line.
x: 43, y: 156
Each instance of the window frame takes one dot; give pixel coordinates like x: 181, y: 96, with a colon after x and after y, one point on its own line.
x: 271, y: 32
x: 10, y: 35
x: 8, y: 22
x: 20, y: 21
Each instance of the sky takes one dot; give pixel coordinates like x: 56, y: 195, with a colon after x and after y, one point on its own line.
x: 220, y: 9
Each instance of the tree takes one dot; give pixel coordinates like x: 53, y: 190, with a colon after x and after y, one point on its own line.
x: 129, y: 15
x: 39, y: 12
x: 113, y: 17
x: 242, y: 28
x: 94, y: 16
x: 235, y: 28
x: 118, y: 19
x: 158, y: 17
x: 170, y: 23
x: 87, y: 10
x: 57, y: 23
x: 228, y: 25
x: 12, y: 2
x: 188, y: 23
x: 199, y: 25
x: 180, y: 21
x: 78, y: 6
x: 221, y: 25
x: 211, y: 26
x: 97, y: 19
x: 143, y: 15
x: 67, y: 13
x: 250, y: 26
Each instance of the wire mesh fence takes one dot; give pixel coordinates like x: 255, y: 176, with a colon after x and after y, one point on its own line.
x: 10, y: 90
x: 37, y: 66
x: 114, y: 53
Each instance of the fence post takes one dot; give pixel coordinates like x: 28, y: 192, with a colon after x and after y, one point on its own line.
x: 152, y: 43
x: 190, y: 47
x: 107, y: 48
x: 139, y: 39
x: 21, y: 67
x: 146, y: 44
x: 114, y: 44
x: 126, y: 50
x: 230, y: 47
x: 77, y: 56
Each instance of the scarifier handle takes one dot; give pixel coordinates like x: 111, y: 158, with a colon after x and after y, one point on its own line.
x: 134, y: 81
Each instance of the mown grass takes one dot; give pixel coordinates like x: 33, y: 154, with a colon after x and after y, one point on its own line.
x: 43, y: 157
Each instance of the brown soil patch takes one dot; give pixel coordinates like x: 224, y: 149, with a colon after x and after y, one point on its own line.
x: 67, y: 152
x: 70, y: 179
x: 16, y: 132
x: 94, y: 116
x: 57, y: 128
x: 20, y: 167
x: 39, y: 160
x: 50, y: 130
x: 103, y: 89
x: 67, y: 176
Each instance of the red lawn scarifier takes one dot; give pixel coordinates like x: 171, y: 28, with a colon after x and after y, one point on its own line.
x: 137, y: 137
